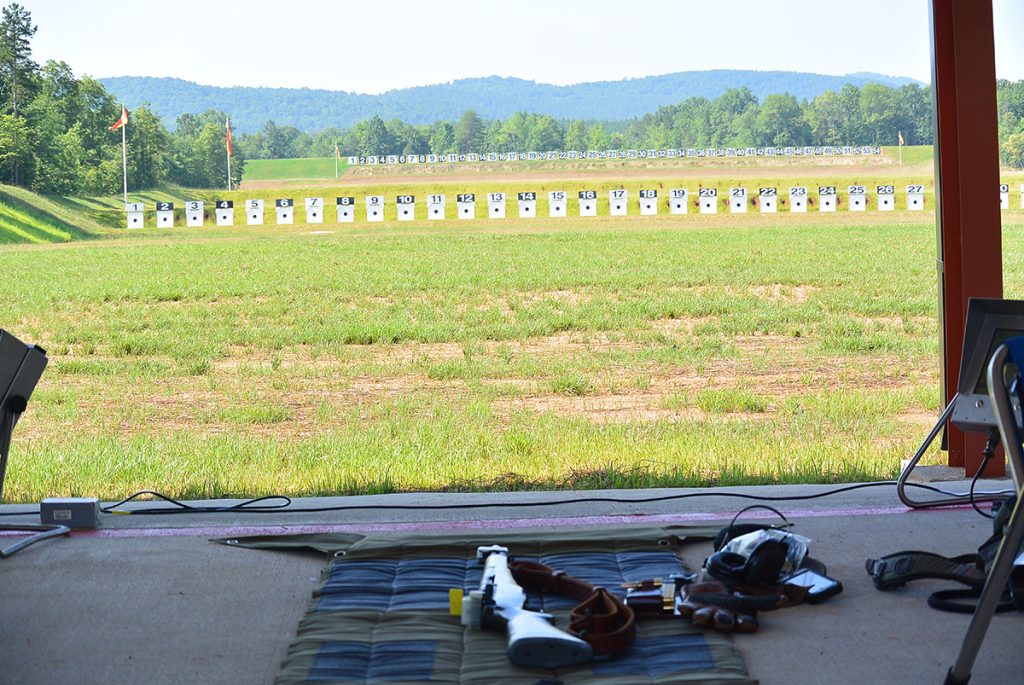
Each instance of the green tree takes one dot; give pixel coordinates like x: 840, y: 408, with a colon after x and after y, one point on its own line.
x: 781, y: 121
x: 598, y: 138
x: 469, y: 132
x: 18, y: 72
x: 147, y: 141
x: 1012, y: 150
x: 544, y: 134
x: 442, y: 140
x: 375, y: 137
x: 576, y: 136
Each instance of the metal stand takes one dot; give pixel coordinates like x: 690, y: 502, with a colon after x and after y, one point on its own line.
x: 960, y: 672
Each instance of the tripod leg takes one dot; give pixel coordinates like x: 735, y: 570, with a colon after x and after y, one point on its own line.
x: 1002, y: 565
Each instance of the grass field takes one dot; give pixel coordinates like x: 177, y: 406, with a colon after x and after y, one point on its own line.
x: 29, y: 218
x: 282, y: 169
x: 511, y: 354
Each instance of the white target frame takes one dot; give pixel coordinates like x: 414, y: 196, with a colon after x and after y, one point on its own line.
x: 858, y: 198
x: 618, y: 202
x: 1004, y: 196
x: 225, y: 212
x: 527, y: 202
x: 708, y: 200
x: 314, y: 210
x: 436, y: 207
x: 678, y: 201
x: 466, y: 204
x: 737, y: 200
x: 648, y: 202
x: 134, y: 215
x: 828, y: 198
x: 558, y: 203
x: 254, y: 212
x: 587, y: 202
x: 768, y: 200
x: 346, y: 209
x: 886, y: 198
x: 284, y: 208
x: 374, y: 208
x: 798, y: 199
x: 915, y: 197
x: 496, y: 205
x: 165, y: 215
x: 195, y: 216
x: 405, y: 207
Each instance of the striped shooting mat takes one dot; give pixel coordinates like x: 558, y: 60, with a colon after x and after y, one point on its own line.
x: 380, y: 615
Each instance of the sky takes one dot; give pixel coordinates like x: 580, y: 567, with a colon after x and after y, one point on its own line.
x: 371, y: 47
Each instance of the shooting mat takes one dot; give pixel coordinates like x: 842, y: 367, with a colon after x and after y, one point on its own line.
x: 380, y: 615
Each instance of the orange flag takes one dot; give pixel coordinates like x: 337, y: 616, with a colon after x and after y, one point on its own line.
x: 231, y: 151
x: 900, y: 134
x: 123, y: 121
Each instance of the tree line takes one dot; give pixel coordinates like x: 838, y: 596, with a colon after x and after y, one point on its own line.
x: 55, y: 137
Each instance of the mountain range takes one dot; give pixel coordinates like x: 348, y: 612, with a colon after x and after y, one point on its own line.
x: 492, y: 97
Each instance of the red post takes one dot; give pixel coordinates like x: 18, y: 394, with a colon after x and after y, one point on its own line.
x: 966, y: 181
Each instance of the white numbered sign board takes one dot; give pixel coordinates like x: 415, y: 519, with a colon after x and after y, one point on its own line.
x: 768, y: 200
x: 648, y: 202
x: 375, y: 208
x: 225, y: 210
x: 164, y: 214
x: 677, y: 202
x: 194, y: 216
x: 1004, y: 196
x: 496, y: 205
x: 314, y: 210
x: 708, y: 200
x: 527, y: 204
x: 915, y: 198
x: 826, y: 198
x: 886, y: 198
x: 435, y: 207
x: 254, y: 212
x: 285, y: 210
x: 346, y: 209
x: 858, y: 198
x: 798, y: 199
x: 588, y: 202
x: 738, y: 200
x: 467, y: 205
x: 133, y: 215
x: 557, y: 202
x: 618, y: 201
x: 406, y: 209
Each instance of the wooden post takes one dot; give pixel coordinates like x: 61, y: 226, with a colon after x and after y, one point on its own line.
x: 966, y: 180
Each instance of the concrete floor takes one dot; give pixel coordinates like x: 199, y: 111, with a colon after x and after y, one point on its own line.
x: 151, y: 600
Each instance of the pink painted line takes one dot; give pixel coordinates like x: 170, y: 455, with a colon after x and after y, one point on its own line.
x: 453, y: 526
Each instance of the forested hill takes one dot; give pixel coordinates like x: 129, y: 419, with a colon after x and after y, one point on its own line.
x: 491, y: 98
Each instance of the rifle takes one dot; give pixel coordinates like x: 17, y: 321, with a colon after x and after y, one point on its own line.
x: 499, y: 604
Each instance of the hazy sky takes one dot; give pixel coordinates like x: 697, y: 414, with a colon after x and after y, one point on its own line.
x: 370, y: 47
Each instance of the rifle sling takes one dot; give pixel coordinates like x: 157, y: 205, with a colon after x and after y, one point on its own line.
x: 601, y: 619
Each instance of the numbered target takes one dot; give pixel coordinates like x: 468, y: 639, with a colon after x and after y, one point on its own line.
x: 314, y: 210
x: 285, y: 209
x: 708, y: 200
x: 164, y: 214
x: 648, y: 202
x: 588, y: 202
x: 618, y: 202
x: 435, y: 207
x: 225, y: 211
x: 1004, y: 196
x: 254, y: 212
x: 886, y: 198
x: 915, y: 197
x: 826, y: 198
x: 798, y: 199
x: 375, y: 208
x: 495, y: 205
x: 346, y: 209
x: 467, y: 205
x: 557, y: 202
x: 194, y: 216
x: 527, y: 204
x: 406, y: 207
x: 738, y: 200
x: 677, y: 201
x: 768, y: 200
x: 858, y: 198
x: 134, y: 215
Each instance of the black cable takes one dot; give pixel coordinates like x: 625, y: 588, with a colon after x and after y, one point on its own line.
x: 987, y: 454
x: 248, y: 506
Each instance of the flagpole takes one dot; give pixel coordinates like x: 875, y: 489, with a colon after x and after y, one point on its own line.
x: 124, y: 163
x: 336, y: 155
x: 227, y: 148
x: 229, y: 171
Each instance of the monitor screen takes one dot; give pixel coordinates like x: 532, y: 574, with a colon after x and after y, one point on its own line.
x: 989, y: 324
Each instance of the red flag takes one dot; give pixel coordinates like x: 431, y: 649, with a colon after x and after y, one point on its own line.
x: 337, y: 152
x: 231, y: 151
x: 122, y: 121
x: 900, y: 134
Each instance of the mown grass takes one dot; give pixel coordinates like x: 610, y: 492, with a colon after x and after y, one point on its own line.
x: 29, y: 218
x: 286, y: 169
